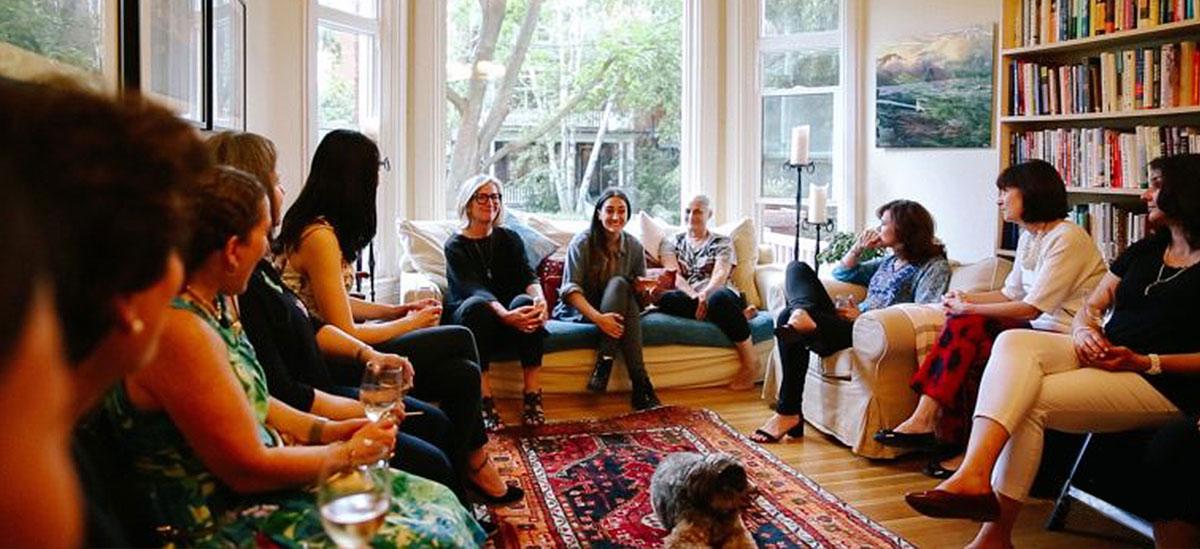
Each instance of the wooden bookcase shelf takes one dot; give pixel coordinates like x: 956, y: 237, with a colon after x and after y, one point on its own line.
x: 1069, y: 52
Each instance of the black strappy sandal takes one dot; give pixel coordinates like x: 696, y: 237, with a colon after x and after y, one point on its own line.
x: 796, y: 431
x: 512, y: 494
x: 533, y: 414
x: 491, y: 418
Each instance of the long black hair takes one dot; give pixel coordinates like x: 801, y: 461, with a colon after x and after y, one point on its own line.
x: 1179, y: 192
x: 597, y: 237
x: 340, y: 188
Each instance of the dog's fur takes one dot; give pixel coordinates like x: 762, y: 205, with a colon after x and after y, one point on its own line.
x: 700, y: 498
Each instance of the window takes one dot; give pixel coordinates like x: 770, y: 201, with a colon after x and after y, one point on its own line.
x: 801, y: 82
x: 347, y: 67
x: 71, y: 32
x: 565, y: 102
x: 229, y: 64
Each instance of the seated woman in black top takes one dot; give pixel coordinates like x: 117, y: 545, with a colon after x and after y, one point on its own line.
x: 494, y: 292
x: 1138, y: 370
x: 285, y: 338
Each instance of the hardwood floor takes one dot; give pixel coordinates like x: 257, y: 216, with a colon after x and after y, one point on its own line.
x: 876, y: 488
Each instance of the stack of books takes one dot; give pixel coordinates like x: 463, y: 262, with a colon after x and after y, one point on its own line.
x: 1048, y: 21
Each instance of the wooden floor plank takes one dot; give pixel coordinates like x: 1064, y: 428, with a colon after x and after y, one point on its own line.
x: 874, y: 487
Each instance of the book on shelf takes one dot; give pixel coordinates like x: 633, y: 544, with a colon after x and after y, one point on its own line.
x: 1049, y: 21
x: 1112, y: 227
x: 1103, y: 157
x: 1143, y: 77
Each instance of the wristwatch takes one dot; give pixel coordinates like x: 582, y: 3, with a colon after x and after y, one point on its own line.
x: 1155, y: 365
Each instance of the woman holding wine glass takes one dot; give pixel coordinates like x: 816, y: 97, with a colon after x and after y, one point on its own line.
x: 207, y: 441
x: 295, y: 350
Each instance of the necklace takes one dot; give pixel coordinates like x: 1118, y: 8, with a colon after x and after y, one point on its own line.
x: 1160, y: 280
x: 214, y: 311
x: 485, y: 260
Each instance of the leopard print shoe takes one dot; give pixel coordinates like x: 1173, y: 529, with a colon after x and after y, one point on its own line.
x: 533, y: 414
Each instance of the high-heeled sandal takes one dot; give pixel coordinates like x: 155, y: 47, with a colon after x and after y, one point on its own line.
x: 491, y: 418
x: 512, y: 494
x: 533, y: 414
x: 763, y: 437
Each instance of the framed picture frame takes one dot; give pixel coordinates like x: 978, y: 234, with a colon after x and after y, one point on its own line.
x: 190, y: 55
x: 229, y: 64
x: 33, y: 48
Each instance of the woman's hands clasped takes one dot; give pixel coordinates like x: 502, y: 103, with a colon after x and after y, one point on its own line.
x: 374, y: 441
x: 527, y: 318
x: 1094, y: 350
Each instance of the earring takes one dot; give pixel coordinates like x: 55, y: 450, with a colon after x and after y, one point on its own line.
x: 136, y: 326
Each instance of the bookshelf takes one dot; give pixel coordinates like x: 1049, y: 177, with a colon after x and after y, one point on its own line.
x: 1098, y: 88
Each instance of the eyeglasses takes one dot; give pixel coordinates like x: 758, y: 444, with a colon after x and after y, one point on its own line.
x: 482, y: 198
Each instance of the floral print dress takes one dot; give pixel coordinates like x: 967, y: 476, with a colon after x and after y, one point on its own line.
x: 201, y: 510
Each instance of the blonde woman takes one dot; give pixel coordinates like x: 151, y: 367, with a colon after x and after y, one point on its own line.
x: 494, y: 292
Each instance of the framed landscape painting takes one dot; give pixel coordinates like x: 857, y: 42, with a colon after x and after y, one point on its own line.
x: 935, y: 91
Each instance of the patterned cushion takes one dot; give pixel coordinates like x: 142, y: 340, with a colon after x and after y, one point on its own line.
x: 550, y: 273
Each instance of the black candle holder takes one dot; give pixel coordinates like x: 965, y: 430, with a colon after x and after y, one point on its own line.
x: 829, y: 224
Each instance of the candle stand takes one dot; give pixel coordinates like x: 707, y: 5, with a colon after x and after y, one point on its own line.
x: 828, y: 224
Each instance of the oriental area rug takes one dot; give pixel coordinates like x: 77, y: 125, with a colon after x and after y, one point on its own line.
x: 587, y: 484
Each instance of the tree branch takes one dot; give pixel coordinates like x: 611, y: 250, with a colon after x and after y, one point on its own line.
x: 563, y: 110
x: 594, y: 155
x: 459, y: 102
x: 512, y: 75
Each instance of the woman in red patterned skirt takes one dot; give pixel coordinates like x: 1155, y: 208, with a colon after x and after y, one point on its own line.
x: 1057, y: 266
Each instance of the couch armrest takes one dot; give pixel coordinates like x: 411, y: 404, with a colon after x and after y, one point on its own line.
x: 415, y: 286
x: 885, y: 342
x: 769, y: 279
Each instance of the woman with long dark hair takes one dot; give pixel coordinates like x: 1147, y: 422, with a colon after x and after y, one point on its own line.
x: 323, y: 232
x: 916, y: 271
x: 205, y: 437
x: 603, y: 263
x: 1139, y: 368
x: 1058, y: 266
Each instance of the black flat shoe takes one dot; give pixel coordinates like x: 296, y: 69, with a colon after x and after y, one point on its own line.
x: 512, y: 495
x: 598, y: 382
x: 934, y: 469
x: 645, y: 399
x: 943, y: 504
x: 912, y: 441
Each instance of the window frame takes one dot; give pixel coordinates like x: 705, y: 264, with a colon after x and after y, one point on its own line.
x: 342, y: 21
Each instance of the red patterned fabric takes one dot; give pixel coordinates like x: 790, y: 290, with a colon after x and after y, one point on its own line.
x: 587, y: 485
x: 549, y: 274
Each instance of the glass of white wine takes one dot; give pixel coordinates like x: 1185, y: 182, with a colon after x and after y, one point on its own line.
x: 381, y: 389
x: 353, y: 501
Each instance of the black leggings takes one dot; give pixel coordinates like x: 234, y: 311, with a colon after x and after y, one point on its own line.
x: 803, y: 290
x: 447, y: 372
x: 493, y: 337
x: 725, y: 309
x: 1174, y: 479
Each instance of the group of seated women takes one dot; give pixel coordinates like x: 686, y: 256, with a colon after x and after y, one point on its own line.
x: 154, y: 301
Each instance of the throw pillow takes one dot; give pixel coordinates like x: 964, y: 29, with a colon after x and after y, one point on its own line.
x: 745, y: 247
x: 550, y: 274
x: 422, y: 243
x: 650, y: 232
x: 560, y: 237
x: 981, y: 276
x: 537, y: 246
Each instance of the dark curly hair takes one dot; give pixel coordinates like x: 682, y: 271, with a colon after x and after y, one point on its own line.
x: 109, y: 176
x: 1043, y: 193
x: 340, y: 188
x: 915, y: 229
x: 1179, y: 192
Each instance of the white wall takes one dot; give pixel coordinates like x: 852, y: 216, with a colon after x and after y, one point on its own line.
x: 957, y: 185
x: 275, y: 83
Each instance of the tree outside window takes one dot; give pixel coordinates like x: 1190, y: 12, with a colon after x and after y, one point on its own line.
x: 563, y: 99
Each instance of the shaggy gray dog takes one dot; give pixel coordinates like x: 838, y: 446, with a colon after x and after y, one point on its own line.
x: 700, y: 498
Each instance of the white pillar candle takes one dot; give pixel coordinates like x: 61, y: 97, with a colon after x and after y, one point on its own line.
x: 817, y: 196
x: 799, y: 145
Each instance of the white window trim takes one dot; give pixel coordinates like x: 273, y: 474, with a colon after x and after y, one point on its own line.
x: 744, y: 74
x: 700, y: 105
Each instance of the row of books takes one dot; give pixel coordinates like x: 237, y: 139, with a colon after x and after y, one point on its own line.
x: 1152, y: 77
x: 1103, y: 157
x: 1112, y: 227
x: 1049, y: 21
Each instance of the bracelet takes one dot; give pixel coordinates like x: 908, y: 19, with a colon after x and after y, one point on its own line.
x: 315, y: 430
x: 1155, y: 365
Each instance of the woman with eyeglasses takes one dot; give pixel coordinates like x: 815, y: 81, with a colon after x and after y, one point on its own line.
x: 494, y: 292
x: 323, y: 232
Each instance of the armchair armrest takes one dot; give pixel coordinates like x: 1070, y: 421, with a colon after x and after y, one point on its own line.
x: 885, y: 342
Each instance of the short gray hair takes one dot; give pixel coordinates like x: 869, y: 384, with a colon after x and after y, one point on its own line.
x: 703, y: 199
x: 466, y: 193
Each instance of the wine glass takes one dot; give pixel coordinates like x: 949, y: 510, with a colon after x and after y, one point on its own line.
x: 353, y: 501
x: 381, y: 389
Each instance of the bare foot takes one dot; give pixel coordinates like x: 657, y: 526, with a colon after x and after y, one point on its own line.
x: 912, y: 427
x: 961, y: 482
x: 743, y: 380
x: 750, y: 312
x: 802, y: 322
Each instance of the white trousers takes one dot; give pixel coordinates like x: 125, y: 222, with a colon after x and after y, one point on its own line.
x: 1033, y: 381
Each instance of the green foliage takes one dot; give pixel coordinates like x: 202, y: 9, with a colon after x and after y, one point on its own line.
x: 63, y: 30
x: 793, y: 16
x: 656, y: 180
x: 841, y: 242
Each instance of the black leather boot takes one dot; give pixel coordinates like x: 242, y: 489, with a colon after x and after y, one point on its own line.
x: 598, y: 383
x: 643, y: 394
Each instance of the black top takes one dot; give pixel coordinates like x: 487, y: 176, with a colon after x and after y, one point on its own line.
x: 493, y: 268
x: 1158, y: 317
x: 284, y: 340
